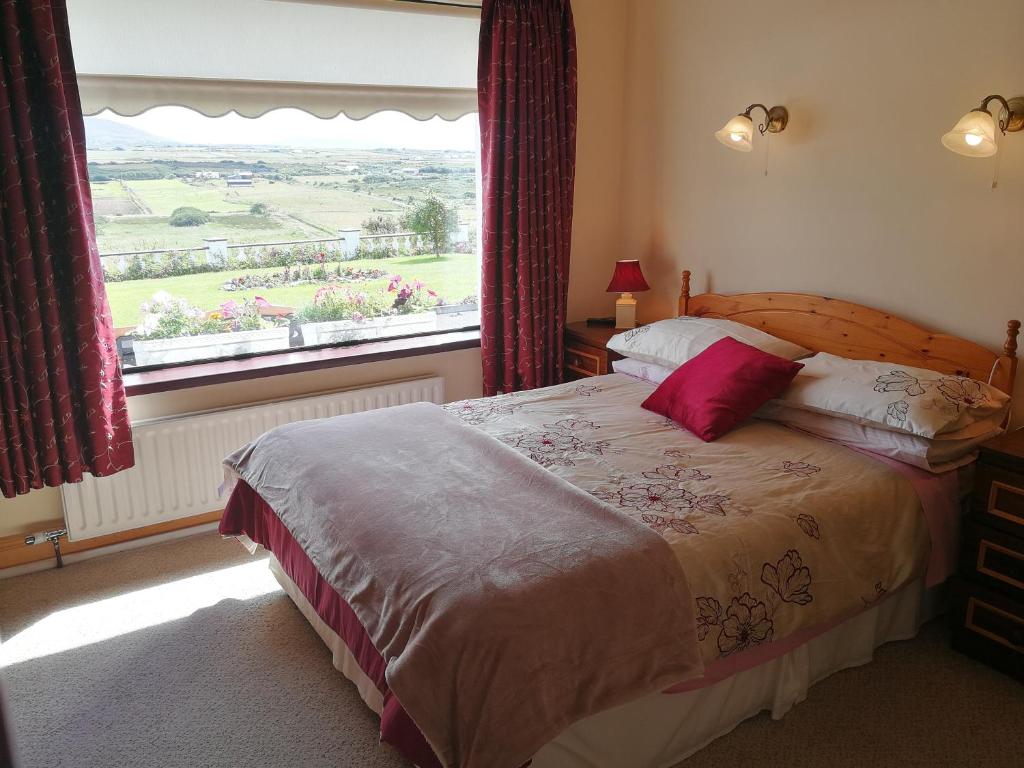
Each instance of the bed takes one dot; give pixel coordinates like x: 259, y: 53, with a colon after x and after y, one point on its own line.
x: 800, y: 555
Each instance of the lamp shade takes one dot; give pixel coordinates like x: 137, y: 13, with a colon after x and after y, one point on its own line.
x: 974, y: 135
x: 627, y: 278
x: 738, y: 134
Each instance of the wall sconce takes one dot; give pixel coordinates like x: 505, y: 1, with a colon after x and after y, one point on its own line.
x: 974, y: 135
x: 738, y: 133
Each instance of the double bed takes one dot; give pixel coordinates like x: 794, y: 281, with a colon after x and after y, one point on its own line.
x: 798, y: 555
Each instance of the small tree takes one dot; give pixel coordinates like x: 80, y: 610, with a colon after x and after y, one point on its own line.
x: 259, y: 209
x: 435, y: 221
x: 380, y: 225
x: 186, y: 216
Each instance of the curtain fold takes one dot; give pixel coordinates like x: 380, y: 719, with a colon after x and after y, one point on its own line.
x: 62, y: 403
x: 527, y: 99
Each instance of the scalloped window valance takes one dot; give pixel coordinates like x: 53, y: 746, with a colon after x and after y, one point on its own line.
x: 252, y: 56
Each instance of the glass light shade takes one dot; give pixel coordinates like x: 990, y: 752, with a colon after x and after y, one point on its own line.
x: 738, y: 134
x: 974, y: 135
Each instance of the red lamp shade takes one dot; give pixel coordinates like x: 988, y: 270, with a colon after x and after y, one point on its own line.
x: 627, y: 278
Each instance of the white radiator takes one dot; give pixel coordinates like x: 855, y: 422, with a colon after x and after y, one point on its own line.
x: 178, y: 459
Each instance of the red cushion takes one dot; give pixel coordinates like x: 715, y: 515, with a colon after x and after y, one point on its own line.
x: 723, y: 385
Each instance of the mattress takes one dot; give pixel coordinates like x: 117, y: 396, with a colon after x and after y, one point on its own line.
x: 784, y: 538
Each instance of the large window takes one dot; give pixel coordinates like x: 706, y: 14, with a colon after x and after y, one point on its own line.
x: 230, y: 236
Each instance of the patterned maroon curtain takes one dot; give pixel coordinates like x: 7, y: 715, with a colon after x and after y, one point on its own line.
x: 527, y: 92
x: 63, y: 404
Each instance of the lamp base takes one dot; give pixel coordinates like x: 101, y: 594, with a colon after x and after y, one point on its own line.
x: 625, y: 311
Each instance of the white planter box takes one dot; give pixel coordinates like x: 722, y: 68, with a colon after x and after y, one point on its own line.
x: 373, y: 328
x: 188, y: 348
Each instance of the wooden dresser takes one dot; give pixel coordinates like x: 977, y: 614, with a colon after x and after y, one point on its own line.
x: 585, y: 350
x: 988, y: 615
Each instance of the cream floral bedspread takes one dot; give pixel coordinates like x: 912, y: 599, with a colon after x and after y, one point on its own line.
x: 775, y: 530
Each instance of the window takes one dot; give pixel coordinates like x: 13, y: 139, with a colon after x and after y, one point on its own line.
x: 232, y: 236
x: 316, y: 184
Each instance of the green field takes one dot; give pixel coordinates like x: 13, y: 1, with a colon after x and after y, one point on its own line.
x: 453, y: 276
x: 309, y: 193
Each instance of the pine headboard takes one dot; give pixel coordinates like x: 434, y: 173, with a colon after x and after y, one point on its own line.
x: 858, y: 332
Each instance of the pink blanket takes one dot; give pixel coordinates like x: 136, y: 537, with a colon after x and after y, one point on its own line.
x: 505, y: 602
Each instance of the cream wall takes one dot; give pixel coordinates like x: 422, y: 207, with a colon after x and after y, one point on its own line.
x: 861, y: 201
x: 601, y: 38
x: 601, y: 43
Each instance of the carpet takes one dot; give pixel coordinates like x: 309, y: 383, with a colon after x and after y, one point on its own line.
x: 186, y: 653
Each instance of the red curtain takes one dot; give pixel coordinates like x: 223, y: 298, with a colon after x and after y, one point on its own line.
x: 63, y: 403
x: 527, y: 93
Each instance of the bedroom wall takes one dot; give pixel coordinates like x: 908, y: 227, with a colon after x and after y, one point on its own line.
x: 601, y: 44
x: 861, y: 201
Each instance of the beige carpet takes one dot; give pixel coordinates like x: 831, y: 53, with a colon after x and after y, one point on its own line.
x: 102, y: 678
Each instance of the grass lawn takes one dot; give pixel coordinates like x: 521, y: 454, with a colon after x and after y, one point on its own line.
x: 453, y: 276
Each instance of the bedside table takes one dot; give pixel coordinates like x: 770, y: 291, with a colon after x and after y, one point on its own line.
x: 585, y: 350
x: 988, y: 615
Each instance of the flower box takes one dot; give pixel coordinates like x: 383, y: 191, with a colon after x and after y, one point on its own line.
x: 371, y: 328
x: 188, y: 348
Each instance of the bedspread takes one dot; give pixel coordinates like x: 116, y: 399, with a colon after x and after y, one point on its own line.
x: 776, y: 530
x: 506, y: 602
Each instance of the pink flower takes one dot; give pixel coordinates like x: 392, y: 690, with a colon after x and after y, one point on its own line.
x: 261, y: 302
x: 431, y: 294
x: 323, y: 293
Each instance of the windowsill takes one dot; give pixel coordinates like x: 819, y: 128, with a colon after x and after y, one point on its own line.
x: 224, y: 371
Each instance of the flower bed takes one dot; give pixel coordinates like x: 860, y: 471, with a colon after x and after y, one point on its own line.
x: 173, y: 331
x: 319, y: 274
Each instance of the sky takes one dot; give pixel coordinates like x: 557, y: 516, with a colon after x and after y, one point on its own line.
x: 293, y: 127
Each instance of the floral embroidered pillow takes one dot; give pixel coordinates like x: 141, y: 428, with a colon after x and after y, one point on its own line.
x: 896, y: 397
x: 670, y: 343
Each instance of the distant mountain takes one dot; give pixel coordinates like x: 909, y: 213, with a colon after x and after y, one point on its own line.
x: 107, y: 134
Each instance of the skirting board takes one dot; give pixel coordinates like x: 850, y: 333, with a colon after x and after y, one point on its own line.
x: 17, y: 558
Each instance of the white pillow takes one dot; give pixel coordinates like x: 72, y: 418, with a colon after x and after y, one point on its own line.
x: 894, y: 397
x: 638, y: 369
x: 939, y: 454
x: 670, y: 343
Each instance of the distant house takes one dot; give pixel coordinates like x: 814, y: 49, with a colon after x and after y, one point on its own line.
x: 240, y: 181
x: 207, y: 174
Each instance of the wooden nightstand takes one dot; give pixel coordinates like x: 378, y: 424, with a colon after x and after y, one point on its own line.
x: 988, y: 615
x: 585, y: 350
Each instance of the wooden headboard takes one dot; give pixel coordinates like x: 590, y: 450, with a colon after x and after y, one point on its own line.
x: 861, y: 333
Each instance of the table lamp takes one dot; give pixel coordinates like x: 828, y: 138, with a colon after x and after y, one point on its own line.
x: 627, y: 278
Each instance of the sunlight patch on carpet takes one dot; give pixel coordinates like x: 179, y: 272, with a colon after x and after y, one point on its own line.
x: 101, y: 620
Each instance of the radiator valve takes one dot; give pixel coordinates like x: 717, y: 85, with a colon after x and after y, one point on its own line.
x: 51, y: 536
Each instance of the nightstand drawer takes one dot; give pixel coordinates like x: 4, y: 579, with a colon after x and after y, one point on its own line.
x: 989, y: 627
x: 995, y: 559
x: 585, y: 361
x: 999, y: 499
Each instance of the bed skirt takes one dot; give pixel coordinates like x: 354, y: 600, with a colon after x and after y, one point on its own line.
x: 659, y: 730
